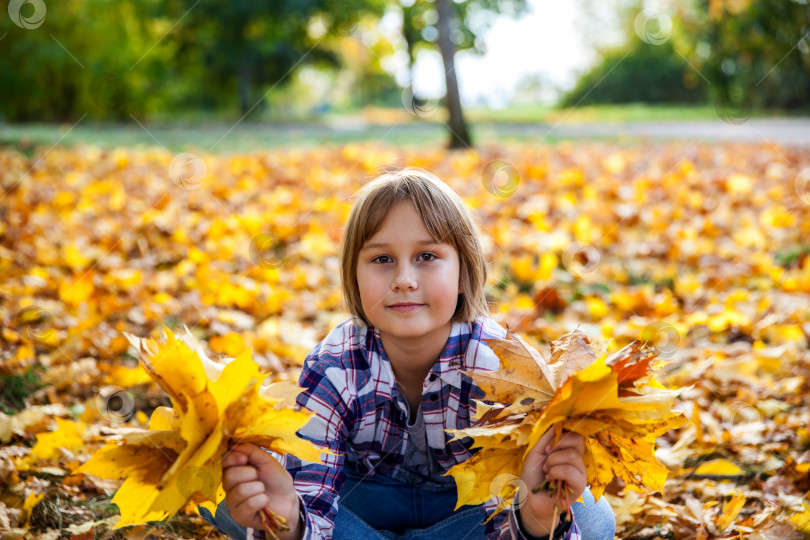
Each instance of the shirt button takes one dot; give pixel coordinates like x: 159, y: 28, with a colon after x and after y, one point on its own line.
x: 434, y: 396
x: 432, y: 377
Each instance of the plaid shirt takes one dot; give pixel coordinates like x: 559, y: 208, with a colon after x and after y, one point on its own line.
x: 361, y: 414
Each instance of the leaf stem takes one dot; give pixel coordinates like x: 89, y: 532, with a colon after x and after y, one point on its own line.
x: 273, y: 523
x: 559, y: 491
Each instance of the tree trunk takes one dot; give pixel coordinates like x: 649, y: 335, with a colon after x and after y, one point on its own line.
x: 407, y: 31
x: 410, y: 68
x: 245, y: 83
x: 459, y: 136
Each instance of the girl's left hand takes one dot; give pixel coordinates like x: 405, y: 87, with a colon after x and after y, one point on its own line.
x: 561, y: 463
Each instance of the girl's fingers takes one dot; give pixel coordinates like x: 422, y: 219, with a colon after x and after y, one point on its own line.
x: 569, y: 474
x: 565, y: 456
x: 568, y: 439
x: 247, y: 451
x: 248, y: 489
x: 571, y: 440
x: 236, y: 455
x: 565, y: 471
x: 560, y: 462
x: 534, y: 459
x: 236, y: 475
x: 249, y: 506
x: 543, y: 442
x: 255, y: 455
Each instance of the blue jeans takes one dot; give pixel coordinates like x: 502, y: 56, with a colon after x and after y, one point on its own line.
x: 365, y: 511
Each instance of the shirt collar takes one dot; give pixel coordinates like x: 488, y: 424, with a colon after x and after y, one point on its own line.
x: 464, y: 350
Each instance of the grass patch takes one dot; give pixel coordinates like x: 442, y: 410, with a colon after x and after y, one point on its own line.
x: 632, y: 112
x: 224, y: 138
x: 16, y: 387
x: 792, y: 257
x: 56, y: 511
x: 386, y: 127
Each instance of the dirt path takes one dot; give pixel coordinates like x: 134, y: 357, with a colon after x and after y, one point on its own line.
x: 791, y: 131
x: 248, y: 136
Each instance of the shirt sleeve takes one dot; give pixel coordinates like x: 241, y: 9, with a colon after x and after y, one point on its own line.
x: 505, y: 526
x: 318, y: 485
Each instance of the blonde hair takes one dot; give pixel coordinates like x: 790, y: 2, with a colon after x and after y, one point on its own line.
x: 446, y: 217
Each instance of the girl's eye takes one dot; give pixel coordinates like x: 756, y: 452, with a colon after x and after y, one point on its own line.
x: 424, y: 257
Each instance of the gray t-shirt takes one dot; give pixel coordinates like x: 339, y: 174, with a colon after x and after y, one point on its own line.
x: 417, y: 456
x: 419, y: 469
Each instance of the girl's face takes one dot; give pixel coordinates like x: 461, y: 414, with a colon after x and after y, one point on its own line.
x: 402, y: 264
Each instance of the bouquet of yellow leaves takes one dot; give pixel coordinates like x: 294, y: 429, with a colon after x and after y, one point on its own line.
x: 177, y: 459
x: 613, y: 401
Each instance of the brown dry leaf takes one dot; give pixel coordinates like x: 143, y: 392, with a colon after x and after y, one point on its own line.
x: 524, y: 378
x: 569, y: 354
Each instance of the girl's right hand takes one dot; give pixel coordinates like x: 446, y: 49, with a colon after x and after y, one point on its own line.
x: 254, y: 479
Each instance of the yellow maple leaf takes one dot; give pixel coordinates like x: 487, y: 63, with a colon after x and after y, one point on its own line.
x: 30, y: 502
x: 614, y: 402
x: 719, y: 467
x: 801, y: 520
x: 730, y: 511
x: 504, y: 458
x: 178, y: 458
x: 67, y: 435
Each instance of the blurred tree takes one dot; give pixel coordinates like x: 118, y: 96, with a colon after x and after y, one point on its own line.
x: 69, y: 59
x: 453, y: 26
x: 116, y: 59
x: 533, y: 89
x: 246, y: 46
x: 362, y: 55
x: 645, y: 65
x: 742, y: 53
x: 638, y: 73
x: 756, y: 53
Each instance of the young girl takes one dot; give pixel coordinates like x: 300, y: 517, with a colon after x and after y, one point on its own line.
x: 385, y: 384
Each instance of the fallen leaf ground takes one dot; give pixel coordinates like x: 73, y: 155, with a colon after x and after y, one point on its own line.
x: 704, y: 250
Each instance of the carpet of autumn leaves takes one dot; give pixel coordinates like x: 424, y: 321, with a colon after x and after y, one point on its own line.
x: 702, y: 249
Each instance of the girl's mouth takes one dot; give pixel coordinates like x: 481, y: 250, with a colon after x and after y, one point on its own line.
x: 405, y: 307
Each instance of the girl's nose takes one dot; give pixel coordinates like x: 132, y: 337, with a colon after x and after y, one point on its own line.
x: 404, y: 279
